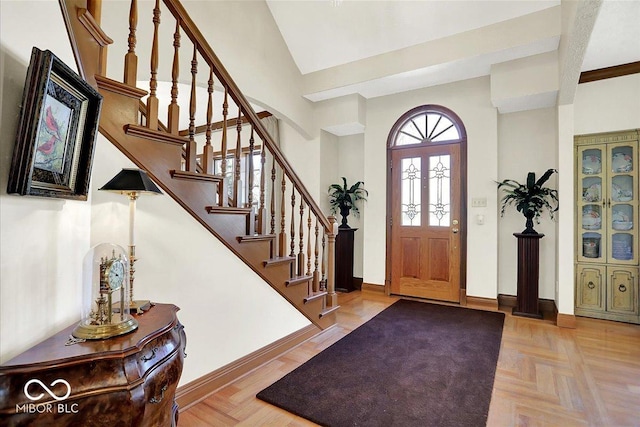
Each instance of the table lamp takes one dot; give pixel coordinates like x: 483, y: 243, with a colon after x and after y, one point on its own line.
x: 132, y: 183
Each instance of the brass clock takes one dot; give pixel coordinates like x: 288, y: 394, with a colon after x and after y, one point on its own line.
x: 105, y: 294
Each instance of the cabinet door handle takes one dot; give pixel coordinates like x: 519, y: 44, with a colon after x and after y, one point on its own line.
x: 151, y: 356
x: 155, y: 400
x: 622, y: 288
x: 591, y: 285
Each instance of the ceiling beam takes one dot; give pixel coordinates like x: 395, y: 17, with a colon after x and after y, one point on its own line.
x: 610, y: 72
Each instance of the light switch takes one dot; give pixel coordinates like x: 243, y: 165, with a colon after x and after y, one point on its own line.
x: 479, y: 202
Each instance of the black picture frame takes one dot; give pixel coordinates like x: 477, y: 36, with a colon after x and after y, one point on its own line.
x: 56, y: 134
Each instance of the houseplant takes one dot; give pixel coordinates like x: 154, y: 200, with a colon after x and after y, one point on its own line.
x: 530, y: 198
x: 343, y: 198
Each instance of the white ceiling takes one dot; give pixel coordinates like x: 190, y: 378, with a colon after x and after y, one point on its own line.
x: 323, y: 36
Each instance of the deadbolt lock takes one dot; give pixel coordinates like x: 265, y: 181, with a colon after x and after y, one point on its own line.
x: 454, y: 222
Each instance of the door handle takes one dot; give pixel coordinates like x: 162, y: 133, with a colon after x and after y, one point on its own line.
x: 455, y: 230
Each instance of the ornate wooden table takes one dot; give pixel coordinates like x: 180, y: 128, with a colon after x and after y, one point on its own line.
x: 129, y: 380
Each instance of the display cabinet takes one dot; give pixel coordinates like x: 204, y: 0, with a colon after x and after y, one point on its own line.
x: 607, y: 226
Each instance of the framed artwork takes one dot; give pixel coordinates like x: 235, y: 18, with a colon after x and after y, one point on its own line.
x: 56, y: 133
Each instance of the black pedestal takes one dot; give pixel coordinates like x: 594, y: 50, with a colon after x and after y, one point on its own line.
x: 344, y: 260
x: 528, y: 275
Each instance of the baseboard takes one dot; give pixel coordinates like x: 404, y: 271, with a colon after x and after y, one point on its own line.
x: 372, y: 287
x: 547, y: 306
x: 566, y: 321
x: 485, y: 303
x: 197, y: 390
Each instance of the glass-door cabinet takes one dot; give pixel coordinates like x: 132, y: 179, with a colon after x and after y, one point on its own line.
x: 607, y: 183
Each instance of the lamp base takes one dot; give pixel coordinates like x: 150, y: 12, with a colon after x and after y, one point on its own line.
x: 136, y: 307
x: 139, y: 306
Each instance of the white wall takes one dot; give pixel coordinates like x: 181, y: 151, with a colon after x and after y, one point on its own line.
x: 226, y: 309
x: 608, y: 105
x: 527, y: 143
x: 42, y: 240
x: 470, y: 100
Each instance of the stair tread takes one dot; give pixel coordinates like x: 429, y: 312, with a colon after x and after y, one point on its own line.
x: 155, y: 135
x: 278, y: 260
x: 195, y: 176
x: 227, y: 210
x: 256, y: 238
x: 105, y: 83
x: 314, y: 296
x: 298, y: 279
x: 329, y: 310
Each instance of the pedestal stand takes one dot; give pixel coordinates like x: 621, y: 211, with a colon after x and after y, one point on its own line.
x: 528, y: 275
x: 344, y: 260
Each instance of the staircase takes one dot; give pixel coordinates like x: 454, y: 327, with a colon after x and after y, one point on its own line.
x: 262, y: 212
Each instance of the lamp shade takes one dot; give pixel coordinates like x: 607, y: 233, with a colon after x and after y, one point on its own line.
x: 131, y: 180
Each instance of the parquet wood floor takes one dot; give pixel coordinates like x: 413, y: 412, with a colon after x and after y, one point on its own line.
x: 546, y: 376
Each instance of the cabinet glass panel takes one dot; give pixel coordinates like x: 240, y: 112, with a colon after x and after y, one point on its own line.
x: 592, y: 189
x: 591, y: 217
x: 592, y: 161
x: 622, y: 246
x: 622, y: 188
x: 622, y: 217
x: 591, y: 245
x: 622, y: 159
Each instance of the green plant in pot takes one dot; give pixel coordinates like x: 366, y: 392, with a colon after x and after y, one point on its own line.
x: 530, y: 198
x: 343, y: 198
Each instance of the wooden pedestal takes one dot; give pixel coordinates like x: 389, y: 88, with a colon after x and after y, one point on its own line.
x: 528, y: 275
x: 344, y: 260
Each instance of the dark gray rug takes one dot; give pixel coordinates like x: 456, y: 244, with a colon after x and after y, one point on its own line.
x: 414, y: 364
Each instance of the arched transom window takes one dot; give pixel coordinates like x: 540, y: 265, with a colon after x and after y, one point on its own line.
x: 425, y: 125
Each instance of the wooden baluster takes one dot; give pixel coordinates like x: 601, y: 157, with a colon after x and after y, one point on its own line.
x: 316, y: 273
x: 207, y: 157
x: 301, y: 238
x: 174, y: 109
x: 292, y: 245
x: 323, y: 282
x: 94, y: 8
x: 309, y: 243
x: 131, y: 59
x: 223, y: 148
x: 250, y: 170
x: 237, y: 184
x: 332, y: 297
x: 282, y: 241
x: 262, y: 215
x: 273, y: 196
x: 190, y: 164
x: 152, y: 100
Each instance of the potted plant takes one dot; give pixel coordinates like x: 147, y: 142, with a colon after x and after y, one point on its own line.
x: 343, y: 198
x: 530, y: 198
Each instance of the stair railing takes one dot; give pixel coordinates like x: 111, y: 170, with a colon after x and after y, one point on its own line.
x: 276, y: 196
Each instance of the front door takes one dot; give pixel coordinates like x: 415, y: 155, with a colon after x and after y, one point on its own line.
x: 426, y: 198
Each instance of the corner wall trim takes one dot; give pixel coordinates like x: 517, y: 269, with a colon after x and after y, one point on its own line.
x: 488, y: 303
x: 546, y: 305
x: 372, y: 287
x: 198, y: 389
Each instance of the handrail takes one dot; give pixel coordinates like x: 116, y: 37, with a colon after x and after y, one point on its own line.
x: 196, y: 37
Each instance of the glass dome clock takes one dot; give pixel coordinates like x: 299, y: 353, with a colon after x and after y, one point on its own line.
x: 105, y: 294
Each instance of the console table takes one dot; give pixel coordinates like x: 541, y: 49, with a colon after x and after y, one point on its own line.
x: 129, y: 380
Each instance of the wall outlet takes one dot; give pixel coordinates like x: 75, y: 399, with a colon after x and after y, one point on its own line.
x: 479, y: 202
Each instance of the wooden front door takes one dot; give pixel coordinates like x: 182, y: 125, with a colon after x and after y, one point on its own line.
x: 425, y: 221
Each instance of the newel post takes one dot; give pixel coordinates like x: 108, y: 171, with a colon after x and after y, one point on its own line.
x: 332, y: 297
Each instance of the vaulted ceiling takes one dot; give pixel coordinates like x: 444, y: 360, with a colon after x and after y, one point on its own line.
x: 376, y: 48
